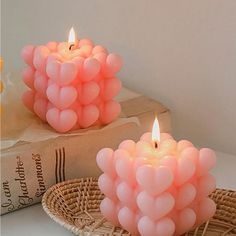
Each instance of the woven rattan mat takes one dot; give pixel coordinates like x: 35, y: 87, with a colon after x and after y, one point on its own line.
x: 74, y: 204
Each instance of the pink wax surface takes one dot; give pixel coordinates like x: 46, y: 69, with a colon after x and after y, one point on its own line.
x: 71, y: 88
x: 159, y: 191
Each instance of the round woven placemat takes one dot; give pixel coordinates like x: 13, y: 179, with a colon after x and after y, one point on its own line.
x: 74, y: 204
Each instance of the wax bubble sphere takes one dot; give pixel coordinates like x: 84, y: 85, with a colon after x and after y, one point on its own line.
x: 157, y: 192
x: 71, y: 89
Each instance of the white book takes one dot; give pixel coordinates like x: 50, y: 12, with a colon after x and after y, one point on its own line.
x: 34, y: 157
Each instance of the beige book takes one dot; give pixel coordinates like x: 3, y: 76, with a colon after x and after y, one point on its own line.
x: 34, y: 157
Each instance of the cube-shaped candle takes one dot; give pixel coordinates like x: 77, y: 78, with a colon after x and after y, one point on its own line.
x: 157, y: 186
x: 72, y: 84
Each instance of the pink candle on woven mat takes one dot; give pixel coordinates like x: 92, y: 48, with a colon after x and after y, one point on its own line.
x: 157, y: 186
x: 72, y: 84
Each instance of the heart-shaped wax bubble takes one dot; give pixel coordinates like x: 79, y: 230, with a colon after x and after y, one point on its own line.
x: 191, y: 153
x: 86, y: 50
x: 101, y: 57
x: 112, y: 87
x: 83, y: 42
x: 40, y: 58
x: 124, y: 166
x: 88, y: 116
x: 128, y: 220
x: 61, y: 97
x: 206, y: 210
x: 98, y: 49
x: 61, y: 121
x: 113, y: 64
x: 40, y: 108
x: 154, y: 180
x: 68, y: 73
x: 28, y: 99
x: 126, y: 195
x: 185, y: 195
x: 155, y: 207
x: 128, y: 145
x: 27, y: 54
x: 207, y: 160
x: 146, y: 226
x: 182, y: 144
x: 110, y: 112
x: 185, y: 221
x: 61, y: 73
x: 107, y: 186
x: 89, y: 92
x: 53, y: 69
x: 185, y: 169
x: 165, y: 227
x: 41, y: 84
x: 28, y: 77
x: 105, y: 161
x: 91, y: 68
x: 110, y: 210
x: 206, y: 185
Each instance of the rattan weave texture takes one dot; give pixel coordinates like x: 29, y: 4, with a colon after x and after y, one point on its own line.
x: 74, y: 204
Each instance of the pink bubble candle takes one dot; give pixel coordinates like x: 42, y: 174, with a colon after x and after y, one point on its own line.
x: 72, y: 84
x: 157, y: 186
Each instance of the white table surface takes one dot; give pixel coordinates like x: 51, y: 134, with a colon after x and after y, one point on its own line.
x: 34, y: 221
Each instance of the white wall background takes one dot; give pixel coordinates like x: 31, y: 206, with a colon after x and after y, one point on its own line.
x: 182, y: 53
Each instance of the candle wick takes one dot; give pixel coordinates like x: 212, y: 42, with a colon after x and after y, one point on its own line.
x: 156, y: 145
x: 71, y: 46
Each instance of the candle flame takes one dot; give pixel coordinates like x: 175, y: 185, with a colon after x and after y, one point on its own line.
x: 71, y: 38
x: 156, y: 131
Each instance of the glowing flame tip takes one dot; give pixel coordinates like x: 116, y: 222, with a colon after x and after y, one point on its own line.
x: 71, y: 38
x: 156, y: 131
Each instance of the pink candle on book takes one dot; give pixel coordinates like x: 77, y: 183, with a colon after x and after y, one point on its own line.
x: 72, y: 84
x: 157, y: 186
